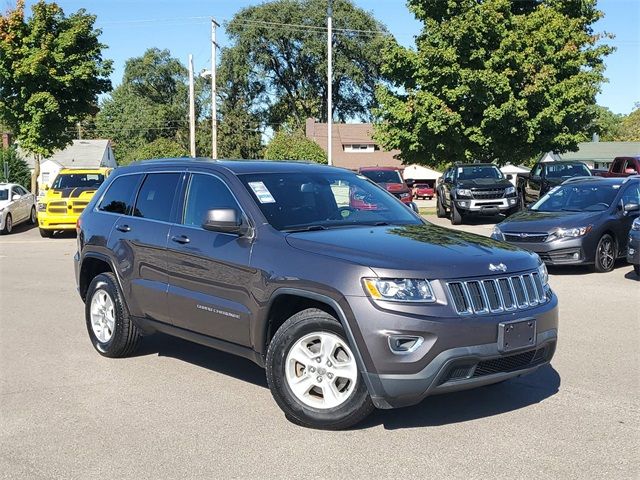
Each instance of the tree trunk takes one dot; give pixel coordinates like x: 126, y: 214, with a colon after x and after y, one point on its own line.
x: 35, y: 174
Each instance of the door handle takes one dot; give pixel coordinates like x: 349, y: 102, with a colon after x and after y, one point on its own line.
x: 123, y: 228
x: 181, y: 239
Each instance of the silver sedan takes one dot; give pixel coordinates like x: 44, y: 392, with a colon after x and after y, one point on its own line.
x: 17, y: 205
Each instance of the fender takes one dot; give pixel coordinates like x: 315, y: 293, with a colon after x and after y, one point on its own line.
x: 104, y: 258
x: 373, y: 391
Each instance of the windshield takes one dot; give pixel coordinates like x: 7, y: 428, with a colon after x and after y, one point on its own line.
x: 318, y: 200
x: 383, y: 176
x: 78, y: 180
x: 479, y: 171
x: 577, y: 198
x: 563, y: 170
x: 4, y: 194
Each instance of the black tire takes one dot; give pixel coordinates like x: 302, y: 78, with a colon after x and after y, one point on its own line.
x: 456, y: 216
x: 125, y: 336
x: 8, y: 225
x: 33, y: 217
x: 354, y: 409
x: 46, y: 233
x: 606, y: 254
x: 636, y: 268
x: 441, y: 212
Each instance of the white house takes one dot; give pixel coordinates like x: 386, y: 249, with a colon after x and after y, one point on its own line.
x: 513, y: 170
x: 80, y: 154
x: 421, y: 174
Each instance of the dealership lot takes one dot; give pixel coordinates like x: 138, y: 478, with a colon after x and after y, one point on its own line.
x: 178, y: 410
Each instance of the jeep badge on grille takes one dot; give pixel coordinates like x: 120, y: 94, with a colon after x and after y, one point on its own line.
x: 500, y: 267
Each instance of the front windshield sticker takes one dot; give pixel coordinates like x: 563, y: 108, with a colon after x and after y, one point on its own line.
x: 459, y: 169
x: 262, y: 192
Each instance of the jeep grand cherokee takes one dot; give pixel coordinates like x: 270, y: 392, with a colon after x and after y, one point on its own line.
x: 347, y: 308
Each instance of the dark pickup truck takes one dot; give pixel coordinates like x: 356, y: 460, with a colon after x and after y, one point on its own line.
x: 546, y: 175
x: 621, y: 167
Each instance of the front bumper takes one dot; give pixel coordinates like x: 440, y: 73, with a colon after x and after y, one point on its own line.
x: 566, y: 251
x: 57, y: 222
x: 633, y: 253
x: 488, y: 206
x: 454, y: 354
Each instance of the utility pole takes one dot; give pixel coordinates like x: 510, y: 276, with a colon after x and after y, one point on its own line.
x: 329, y: 82
x: 214, y: 109
x: 192, y: 110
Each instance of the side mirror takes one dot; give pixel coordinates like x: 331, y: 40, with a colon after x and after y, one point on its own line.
x: 225, y: 220
x: 631, y: 207
x: 410, y: 182
x: 16, y: 197
x: 509, y: 177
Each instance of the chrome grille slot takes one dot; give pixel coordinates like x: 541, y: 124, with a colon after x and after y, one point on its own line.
x: 497, y: 294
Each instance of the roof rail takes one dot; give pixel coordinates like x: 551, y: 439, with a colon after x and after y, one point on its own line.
x: 583, y: 177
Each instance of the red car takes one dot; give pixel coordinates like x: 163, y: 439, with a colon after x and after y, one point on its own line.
x: 422, y: 190
x: 390, y: 179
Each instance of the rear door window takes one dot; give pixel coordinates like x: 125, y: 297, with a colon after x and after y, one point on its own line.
x: 119, y: 197
x: 156, y: 196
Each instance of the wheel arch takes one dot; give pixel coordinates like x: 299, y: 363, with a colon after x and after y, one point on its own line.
x: 93, y: 264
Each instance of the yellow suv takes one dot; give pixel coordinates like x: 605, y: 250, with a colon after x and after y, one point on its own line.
x: 65, y: 200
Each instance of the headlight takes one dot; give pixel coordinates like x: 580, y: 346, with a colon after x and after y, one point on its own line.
x: 463, y: 192
x: 510, y: 190
x: 497, y: 233
x: 399, y: 289
x: 636, y: 224
x: 572, y: 232
x: 544, y: 274
x: 42, y: 207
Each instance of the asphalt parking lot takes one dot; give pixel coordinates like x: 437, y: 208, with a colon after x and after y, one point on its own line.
x: 178, y: 410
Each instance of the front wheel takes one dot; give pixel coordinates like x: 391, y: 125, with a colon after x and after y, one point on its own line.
x: 605, y: 254
x: 456, y: 216
x: 33, y: 217
x: 440, y: 210
x: 312, y: 373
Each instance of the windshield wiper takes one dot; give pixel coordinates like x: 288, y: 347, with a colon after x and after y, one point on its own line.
x: 570, y: 210
x: 308, y: 228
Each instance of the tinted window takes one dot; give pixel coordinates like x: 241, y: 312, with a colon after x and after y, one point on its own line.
x: 156, y: 196
x: 21, y: 191
x: 383, y: 176
x: 206, y: 193
x: 578, y: 198
x: 119, y: 196
x: 480, y: 171
x: 631, y: 195
x: 563, y: 170
x: 4, y: 194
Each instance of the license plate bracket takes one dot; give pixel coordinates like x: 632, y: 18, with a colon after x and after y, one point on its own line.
x: 516, y: 335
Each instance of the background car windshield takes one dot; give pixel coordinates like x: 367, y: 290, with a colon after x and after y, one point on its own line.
x: 4, y: 194
x: 473, y: 172
x: 383, y: 176
x: 577, y: 198
x: 318, y: 199
x: 560, y: 170
x: 78, y: 180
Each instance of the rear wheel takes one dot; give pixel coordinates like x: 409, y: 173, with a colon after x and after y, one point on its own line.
x: 605, y: 254
x: 8, y: 225
x: 312, y: 373
x: 44, y: 233
x: 440, y: 210
x: 111, y: 330
x: 456, y: 216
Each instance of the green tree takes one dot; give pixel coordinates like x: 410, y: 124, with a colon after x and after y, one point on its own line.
x: 150, y: 103
x: 492, y: 80
x: 606, y: 124
x: 630, y: 126
x: 279, y: 55
x: 160, y: 148
x: 17, y: 169
x: 294, y: 146
x: 51, y: 73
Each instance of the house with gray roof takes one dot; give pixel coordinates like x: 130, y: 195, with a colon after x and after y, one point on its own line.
x: 597, y: 155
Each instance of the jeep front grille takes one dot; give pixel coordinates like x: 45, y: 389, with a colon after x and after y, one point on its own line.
x: 497, y: 295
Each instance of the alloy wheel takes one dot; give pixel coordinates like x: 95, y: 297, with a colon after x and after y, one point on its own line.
x: 321, y: 371
x: 103, y: 318
x: 605, y: 253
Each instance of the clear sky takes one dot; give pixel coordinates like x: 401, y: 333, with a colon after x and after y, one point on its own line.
x: 131, y: 26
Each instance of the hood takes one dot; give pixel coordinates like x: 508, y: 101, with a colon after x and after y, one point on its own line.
x: 73, y: 193
x: 532, y: 221
x: 435, y: 252
x: 484, y: 183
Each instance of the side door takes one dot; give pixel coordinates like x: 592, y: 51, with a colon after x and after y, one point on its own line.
x: 209, y: 273
x: 630, y: 195
x: 533, y: 184
x: 446, y: 187
x: 139, y: 241
x: 19, y: 206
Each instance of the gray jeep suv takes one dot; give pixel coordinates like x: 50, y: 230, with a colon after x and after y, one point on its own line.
x: 347, y: 298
